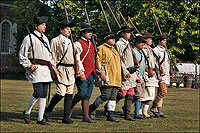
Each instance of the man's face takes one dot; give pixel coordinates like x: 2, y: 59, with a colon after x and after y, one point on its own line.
x: 149, y: 41
x: 140, y: 45
x: 87, y: 34
x: 41, y: 28
x: 126, y: 35
x: 162, y: 42
x: 66, y: 31
x: 111, y: 42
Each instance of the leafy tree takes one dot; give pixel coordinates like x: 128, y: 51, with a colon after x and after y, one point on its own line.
x: 177, y: 18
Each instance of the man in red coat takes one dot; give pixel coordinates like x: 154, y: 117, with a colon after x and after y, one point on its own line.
x: 85, y: 81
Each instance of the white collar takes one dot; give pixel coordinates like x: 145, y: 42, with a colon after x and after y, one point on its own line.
x: 126, y: 41
x: 63, y: 37
x: 38, y: 33
x: 84, y: 39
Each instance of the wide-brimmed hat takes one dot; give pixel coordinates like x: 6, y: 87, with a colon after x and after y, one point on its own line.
x: 87, y: 27
x: 40, y: 20
x: 161, y: 37
x: 109, y: 35
x: 140, y: 39
x: 125, y: 29
x: 147, y: 35
x: 66, y: 24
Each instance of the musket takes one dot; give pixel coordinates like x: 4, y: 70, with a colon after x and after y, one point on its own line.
x: 133, y: 26
x: 105, y: 16
x: 113, y: 15
x: 125, y: 22
x: 31, y: 42
x: 76, y: 67
x: 170, y: 60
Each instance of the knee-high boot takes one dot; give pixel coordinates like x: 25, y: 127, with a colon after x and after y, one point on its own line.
x: 75, y: 100
x: 127, y: 111
x: 94, y: 106
x: 111, y: 107
x: 67, y: 106
x: 48, y: 111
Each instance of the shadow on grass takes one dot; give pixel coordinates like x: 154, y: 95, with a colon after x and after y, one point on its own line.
x: 15, y: 116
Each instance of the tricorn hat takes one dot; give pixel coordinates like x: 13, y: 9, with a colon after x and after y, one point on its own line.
x: 109, y: 35
x: 139, y: 38
x: 124, y: 29
x: 147, y: 35
x: 66, y: 24
x: 161, y: 37
x: 87, y: 27
x: 40, y: 20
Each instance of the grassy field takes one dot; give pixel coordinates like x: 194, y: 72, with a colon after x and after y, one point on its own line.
x: 180, y: 105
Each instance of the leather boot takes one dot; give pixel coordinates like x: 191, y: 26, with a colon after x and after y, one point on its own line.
x: 75, y: 100
x: 154, y: 109
x: 94, y: 106
x: 67, y: 105
x: 85, y: 108
x: 111, y: 117
x: 127, y: 111
x: 160, y: 112
x: 48, y: 111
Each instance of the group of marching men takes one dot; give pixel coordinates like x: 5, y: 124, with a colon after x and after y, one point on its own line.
x: 127, y: 72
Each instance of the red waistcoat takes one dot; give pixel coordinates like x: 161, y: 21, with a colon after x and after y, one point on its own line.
x: 88, y: 62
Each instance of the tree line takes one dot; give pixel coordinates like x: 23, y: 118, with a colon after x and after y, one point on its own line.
x: 179, y: 19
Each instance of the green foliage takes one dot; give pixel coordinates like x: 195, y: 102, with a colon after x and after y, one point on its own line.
x: 177, y: 18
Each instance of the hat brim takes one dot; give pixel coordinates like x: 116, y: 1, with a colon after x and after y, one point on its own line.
x: 109, y: 37
x: 90, y: 29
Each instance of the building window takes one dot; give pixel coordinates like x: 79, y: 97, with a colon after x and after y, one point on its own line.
x: 5, y: 37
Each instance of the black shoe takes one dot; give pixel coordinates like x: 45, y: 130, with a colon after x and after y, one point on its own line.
x: 88, y: 121
x: 139, y: 117
x: 163, y: 116
x: 27, y: 118
x: 112, y: 119
x: 42, y: 122
x: 67, y: 121
x: 48, y: 116
x: 91, y: 112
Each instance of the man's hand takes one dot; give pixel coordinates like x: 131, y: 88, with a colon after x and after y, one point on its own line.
x: 128, y: 75
x: 103, y: 76
x: 82, y: 77
x: 33, y: 67
x: 160, y: 78
x: 172, y: 76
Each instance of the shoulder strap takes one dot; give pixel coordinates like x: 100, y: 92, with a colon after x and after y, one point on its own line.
x: 45, y: 44
x: 80, y: 40
x: 62, y: 57
x: 163, y: 59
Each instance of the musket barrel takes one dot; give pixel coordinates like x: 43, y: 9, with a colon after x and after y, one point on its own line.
x: 105, y: 16
x: 134, y: 26
x: 125, y: 22
x: 157, y: 23
x: 113, y: 15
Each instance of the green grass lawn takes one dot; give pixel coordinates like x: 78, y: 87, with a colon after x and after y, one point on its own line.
x: 180, y: 105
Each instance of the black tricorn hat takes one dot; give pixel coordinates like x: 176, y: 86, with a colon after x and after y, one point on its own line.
x: 87, y: 27
x: 140, y: 39
x: 147, y: 35
x: 40, y: 20
x: 124, y: 29
x: 161, y: 37
x: 66, y: 24
x: 109, y: 35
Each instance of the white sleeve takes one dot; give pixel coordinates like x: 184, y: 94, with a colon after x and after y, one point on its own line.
x: 23, y: 53
x: 79, y: 50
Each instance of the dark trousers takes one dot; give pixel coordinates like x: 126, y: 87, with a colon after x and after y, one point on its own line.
x: 85, y: 88
x: 40, y: 89
x: 108, y: 93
